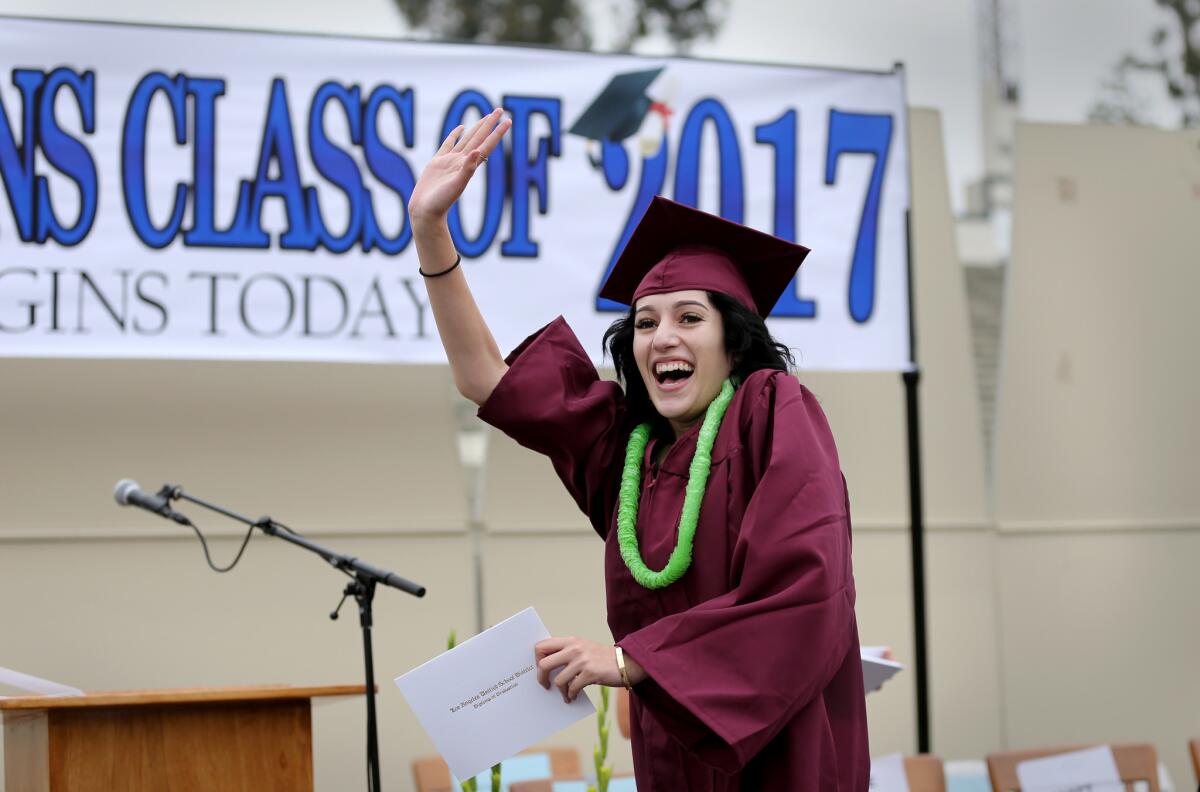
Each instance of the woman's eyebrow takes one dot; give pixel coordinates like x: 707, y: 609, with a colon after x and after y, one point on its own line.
x: 677, y: 305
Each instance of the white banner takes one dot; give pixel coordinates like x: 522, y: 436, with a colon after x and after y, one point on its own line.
x: 209, y: 194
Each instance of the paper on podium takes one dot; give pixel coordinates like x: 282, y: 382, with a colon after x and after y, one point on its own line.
x: 35, y: 685
x: 877, y: 670
x: 480, y: 702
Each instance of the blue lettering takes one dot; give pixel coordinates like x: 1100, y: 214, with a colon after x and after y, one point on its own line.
x: 860, y: 133
x: 780, y: 134
x: 278, y: 147
x: 335, y: 164
x: 530, y: 173
x: 388, y: 166
x: 133, y: 157
x: 16, y: 161
x: 615, y: 163
x: 687, y: 171
x: 654, y: 174
x: 204, y: 231
x: 68, y: 156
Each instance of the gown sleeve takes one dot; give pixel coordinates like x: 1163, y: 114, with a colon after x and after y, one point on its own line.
x: 726, y: 675
x: 552, y: 400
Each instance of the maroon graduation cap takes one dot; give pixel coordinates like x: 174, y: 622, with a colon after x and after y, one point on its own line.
x: 676, y: 247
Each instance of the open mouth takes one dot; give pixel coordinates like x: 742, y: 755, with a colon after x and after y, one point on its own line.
x: 673, y: 372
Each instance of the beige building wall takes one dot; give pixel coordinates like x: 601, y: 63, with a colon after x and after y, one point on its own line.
x: 359, y: 458
x: 1096, y: 443
x: 868, y: 418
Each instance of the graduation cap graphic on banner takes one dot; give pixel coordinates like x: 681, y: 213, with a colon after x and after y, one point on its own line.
x: 618, y: 111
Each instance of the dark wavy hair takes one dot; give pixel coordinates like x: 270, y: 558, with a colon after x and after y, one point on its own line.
x: 748, y: 343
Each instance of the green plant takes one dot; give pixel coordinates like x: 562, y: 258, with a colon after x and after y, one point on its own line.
x: 600, y: 753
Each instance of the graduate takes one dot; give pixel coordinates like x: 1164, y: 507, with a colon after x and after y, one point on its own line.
x: 713, y: 480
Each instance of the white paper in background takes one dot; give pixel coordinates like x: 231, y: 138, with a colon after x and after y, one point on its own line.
x: 35, y: 685
x: 876, y: 670
x: 622, y: 784
x: 887, y: 774
x: 1089, y: 770
x: 967, y: 775
x: 1165, y: 782
x: 526, y: 767
x: 480, y: 702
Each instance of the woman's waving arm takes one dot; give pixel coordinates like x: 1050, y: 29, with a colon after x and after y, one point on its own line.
x: 475, y: 359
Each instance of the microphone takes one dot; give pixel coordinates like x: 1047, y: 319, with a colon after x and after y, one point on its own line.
x: 127, y: 493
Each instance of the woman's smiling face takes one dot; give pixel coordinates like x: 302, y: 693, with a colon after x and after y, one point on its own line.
x: 679, y: 346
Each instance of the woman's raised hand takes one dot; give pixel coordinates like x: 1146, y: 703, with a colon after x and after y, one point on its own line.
x: 447, y: 174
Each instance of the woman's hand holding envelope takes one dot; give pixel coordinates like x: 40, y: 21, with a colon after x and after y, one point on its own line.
x: 583, y: 663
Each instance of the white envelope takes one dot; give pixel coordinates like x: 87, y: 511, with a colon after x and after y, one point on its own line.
x: 480, y: 702
x: 876, y: 670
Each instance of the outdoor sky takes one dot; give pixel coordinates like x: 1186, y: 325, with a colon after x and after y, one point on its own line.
x: 1065, y: 49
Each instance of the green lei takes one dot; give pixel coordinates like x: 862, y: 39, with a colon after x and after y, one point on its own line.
x: 631, y: 487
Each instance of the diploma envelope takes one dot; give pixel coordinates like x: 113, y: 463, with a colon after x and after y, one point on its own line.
x: 877, y: 670
x: 481, y: 703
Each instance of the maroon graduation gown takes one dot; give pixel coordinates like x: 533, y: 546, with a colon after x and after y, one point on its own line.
x: 753, y: 657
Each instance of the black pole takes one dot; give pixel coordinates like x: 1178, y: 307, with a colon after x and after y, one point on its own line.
x: 917, y: 542
x: 364, y: 594
x: 916, y: 508
x: 362, y: 588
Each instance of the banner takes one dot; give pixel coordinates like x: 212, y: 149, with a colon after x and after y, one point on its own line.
x: 216, y: 194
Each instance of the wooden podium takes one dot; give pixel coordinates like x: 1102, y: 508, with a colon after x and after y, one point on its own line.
x: 249, y: 739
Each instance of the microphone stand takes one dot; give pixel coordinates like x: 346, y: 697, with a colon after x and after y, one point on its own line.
x: 361, y: 587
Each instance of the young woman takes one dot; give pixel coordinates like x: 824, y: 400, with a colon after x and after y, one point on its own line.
x: 713, y: 480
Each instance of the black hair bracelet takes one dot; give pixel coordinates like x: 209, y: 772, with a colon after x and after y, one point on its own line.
x: 447, y: 271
